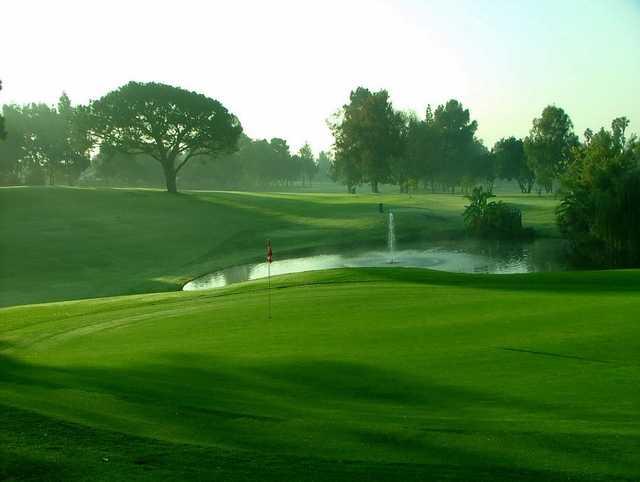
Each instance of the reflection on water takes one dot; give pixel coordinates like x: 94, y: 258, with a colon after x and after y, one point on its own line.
x: 456, y: 256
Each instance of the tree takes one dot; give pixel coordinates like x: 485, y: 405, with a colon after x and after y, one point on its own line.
x: 115, y: 167
x: 45, y: 140
x: 511, y: 163
x: 53, y: 141
x: 170, y: 124
x: 367, y: 134
x: 281, y: 167
x: 345, y: 169
x: 308, y: 165
x: 406, y: 161
x: 548, y: 145
x: 323, y: 164
x: 12, y: 148
x: 419, y: 150
x: 598, y: 213
x: 77, y: 141
x: 483, y: 167
x: 455, y: 145
x: 3, y: 132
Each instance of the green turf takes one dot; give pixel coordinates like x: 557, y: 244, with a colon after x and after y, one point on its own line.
x: 62, y: 243
x: 370, y: 374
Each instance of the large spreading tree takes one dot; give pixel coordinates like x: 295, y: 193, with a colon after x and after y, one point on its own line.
x: 170, y: 124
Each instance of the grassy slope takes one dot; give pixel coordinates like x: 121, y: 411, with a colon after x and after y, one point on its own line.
x: 60, y: 243
x: 373, y: 374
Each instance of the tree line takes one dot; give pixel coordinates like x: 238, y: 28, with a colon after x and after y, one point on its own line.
x: 42, y: 143
x: 256, y: 164
x: 150, y: 132
x: 130, y: 132
x: 375, y: 144
x: 3, y: 132
x: 600, y: 195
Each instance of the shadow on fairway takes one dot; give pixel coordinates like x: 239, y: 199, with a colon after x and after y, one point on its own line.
x: 289, y: 410
x: 272, y: 392
x: 72, y: 452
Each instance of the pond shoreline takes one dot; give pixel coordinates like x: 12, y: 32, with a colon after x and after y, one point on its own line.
x: 462, y: 256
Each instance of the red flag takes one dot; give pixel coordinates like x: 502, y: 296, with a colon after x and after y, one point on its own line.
x: 269, y: 252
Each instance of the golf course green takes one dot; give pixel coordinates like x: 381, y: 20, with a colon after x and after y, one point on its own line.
x: 107, y: 372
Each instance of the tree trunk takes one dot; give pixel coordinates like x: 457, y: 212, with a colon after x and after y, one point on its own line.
x: 374, y: 186
x: 170, y: 178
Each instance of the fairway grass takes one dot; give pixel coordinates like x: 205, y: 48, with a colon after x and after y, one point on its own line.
x: 386, y: 374
x: 367, y: 374
x: 59, y: 244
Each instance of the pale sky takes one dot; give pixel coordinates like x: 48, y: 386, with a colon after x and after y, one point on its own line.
x: 283, y: 67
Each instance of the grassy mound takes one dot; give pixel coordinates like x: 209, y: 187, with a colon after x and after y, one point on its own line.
x: 371, y: 374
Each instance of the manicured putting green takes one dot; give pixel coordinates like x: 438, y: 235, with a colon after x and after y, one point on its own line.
x: 370, y: 374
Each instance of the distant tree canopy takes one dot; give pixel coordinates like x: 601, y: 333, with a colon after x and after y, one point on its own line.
x: 457, y: 151
x: 599, y: 212
x: 120, y: 138
x: 3, y: 132
x: 166, y: 123
x: 42, y: 142
x: 511, y: 163
x: 375, y: 144
x: 368, y: 135
x: 257, y: 164
x: 548, y: 145
x: 323, y: 165
x: 308, y: 166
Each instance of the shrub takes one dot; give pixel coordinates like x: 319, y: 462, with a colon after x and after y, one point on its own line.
x: 492, y: 219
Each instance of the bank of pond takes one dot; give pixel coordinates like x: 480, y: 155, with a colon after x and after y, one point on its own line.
x: 459, y: 256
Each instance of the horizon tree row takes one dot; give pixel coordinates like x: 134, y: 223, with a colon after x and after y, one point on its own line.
x: 3, y: 132
x: 42, y: 143
x: 375, y: 144
x: 257, y: 164
x: 119, y: 135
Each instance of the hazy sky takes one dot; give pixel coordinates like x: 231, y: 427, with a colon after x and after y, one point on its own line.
x: 283, y: 67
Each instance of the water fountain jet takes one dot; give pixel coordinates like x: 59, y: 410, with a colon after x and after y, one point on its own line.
x: 391, y: 239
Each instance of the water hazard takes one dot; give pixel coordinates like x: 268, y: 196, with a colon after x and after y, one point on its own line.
x: 465, y: 256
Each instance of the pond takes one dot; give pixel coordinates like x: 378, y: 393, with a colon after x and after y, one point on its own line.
x: 463, y: 256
